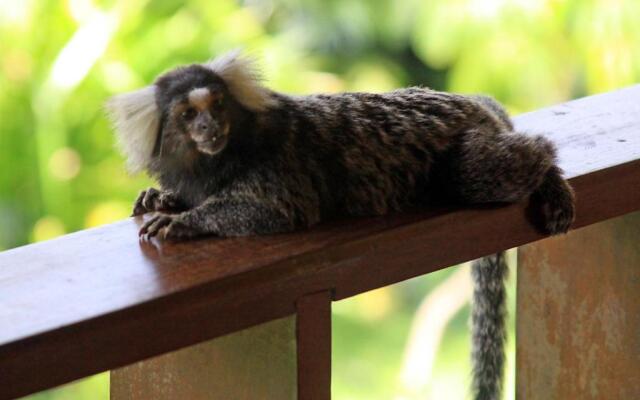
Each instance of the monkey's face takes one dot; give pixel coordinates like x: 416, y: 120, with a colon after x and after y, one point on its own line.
x: 188, y: 112
x: 199, y: 120
x: 196, y: 108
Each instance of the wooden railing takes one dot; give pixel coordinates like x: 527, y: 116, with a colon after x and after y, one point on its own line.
x: 100, y: 299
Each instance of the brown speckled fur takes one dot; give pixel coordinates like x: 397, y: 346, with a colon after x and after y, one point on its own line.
x: 290, y: 162
x: 305, y: 159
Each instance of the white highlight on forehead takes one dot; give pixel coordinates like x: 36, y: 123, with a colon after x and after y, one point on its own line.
x: 136, y: 119
x: 200, y: 97
x: 243, y: 79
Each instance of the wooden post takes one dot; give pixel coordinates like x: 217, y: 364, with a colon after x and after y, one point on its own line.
x: 578, y: 314
x: 314, y: 346
x: 256, y: 363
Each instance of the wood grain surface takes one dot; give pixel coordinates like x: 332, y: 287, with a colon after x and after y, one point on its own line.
x: 100, y: 299
x: 578, y: 314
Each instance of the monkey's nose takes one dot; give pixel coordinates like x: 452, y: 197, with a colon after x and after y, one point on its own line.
x: 203, y: 126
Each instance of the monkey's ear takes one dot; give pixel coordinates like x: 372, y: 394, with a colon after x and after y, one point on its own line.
x: 243, y: 79
x: 136, y: 119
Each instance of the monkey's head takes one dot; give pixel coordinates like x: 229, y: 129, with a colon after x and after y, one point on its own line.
x: 195, y: 107
x: 188, y: 112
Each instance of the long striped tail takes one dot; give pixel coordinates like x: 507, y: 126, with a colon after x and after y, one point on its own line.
x: 488, y: 326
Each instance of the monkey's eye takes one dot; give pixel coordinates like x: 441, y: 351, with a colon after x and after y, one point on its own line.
x: 189, y: 114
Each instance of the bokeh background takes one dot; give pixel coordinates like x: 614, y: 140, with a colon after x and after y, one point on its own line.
x: 60, y: 60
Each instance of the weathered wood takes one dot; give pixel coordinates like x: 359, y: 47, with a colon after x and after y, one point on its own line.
x: 289, y: 358
x: 99, y: 299
x: 578, y: 325
x: 255, y: 363
x: 313, y: 333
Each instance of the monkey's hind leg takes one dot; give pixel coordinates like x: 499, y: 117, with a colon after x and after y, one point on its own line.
x: 557, y: 201
x: 508, y: 167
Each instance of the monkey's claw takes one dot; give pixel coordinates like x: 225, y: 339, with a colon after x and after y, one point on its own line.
x: 138, y: 207
x: 166, y: 227
x: 152, y: 226
x: 154, y: 200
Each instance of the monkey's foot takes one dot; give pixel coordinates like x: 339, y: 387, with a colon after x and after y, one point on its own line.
x: 167, y: 227
x: 558, y: 215
x: 558, y: 205
x: 154, y: 200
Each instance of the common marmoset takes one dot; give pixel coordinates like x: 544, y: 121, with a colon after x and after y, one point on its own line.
x: 234, y: 158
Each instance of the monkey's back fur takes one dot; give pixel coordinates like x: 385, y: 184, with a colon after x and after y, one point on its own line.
x: 325, y: 156
x: 235, y: 158
x: 368, y: 154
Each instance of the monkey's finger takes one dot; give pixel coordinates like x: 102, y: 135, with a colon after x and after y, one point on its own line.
x: 165, y: 232
x: 145, y: 227
x: 150, y: 200
x: 177, y: 230
x: 138, y: 208
x: 157, y: 225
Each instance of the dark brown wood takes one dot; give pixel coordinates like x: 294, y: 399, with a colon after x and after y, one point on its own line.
x: 579, y: 314
x: 100, y: 299
x: 313, y: 334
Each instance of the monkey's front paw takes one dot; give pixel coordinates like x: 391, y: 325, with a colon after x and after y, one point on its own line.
x: 154, y: 200
x: 167, y: 227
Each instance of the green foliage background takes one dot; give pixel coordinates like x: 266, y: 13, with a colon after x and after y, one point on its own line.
x: 60, y: 61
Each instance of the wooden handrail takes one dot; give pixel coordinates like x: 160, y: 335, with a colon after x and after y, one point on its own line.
x: 100, y: 299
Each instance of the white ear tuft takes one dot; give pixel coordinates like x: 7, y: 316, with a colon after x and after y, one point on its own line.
x: 243, y: 79
x: 136, y: 119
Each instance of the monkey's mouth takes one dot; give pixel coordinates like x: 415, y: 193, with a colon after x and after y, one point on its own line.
x: 211, y: 146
